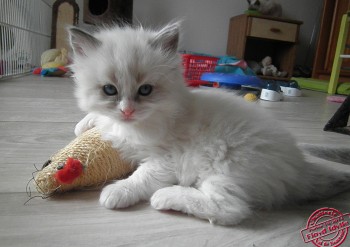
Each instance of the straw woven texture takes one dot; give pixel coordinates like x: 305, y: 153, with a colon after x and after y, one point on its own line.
x: 100, y: 160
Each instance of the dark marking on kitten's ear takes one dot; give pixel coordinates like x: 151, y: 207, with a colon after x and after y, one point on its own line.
x: 168, y: 38
x: 81, y: 41
x: 248, y: 2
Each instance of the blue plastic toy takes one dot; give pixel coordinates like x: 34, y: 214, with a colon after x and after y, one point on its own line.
x: 233, y: 81
x: 229, y: 64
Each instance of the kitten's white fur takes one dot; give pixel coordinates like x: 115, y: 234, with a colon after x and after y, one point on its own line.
x: 202, y: 152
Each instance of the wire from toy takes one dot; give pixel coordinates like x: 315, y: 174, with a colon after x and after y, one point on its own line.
x: 29, y: 191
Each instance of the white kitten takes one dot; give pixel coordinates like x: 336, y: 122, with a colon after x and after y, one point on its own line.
x: 266, y: 7
x: 202, y: 152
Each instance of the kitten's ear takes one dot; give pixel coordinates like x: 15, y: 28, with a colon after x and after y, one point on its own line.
x: 167, y: 38
x: 81, y: 41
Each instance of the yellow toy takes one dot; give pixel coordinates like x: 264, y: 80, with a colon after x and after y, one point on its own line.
x: 53, y: 63
x: 86, y: 161
x: 250, y: 97
x: 54, y: 58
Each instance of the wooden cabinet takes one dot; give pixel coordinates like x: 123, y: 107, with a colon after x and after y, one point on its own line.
x: 255, y: 37
x: 274, y: 30
x: 333, y: 11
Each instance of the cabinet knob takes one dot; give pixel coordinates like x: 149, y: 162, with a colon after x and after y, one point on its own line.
x: 275, y: 30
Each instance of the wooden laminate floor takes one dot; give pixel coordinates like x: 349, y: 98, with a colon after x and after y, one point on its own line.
x: 37, y: 117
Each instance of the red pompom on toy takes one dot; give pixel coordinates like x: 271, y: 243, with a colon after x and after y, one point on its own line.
x: 71, y: 170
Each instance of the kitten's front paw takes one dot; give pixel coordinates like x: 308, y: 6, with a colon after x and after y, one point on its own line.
x: 117, y: 196
x: 79, y: 129
x: 88, y: 122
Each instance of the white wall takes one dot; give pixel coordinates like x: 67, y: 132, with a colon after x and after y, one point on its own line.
x: 205, y: 26
x: 206, y: 21
x: 308, y: 11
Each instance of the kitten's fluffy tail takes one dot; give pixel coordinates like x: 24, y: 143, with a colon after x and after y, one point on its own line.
x: 329, y: 173
x: 338, y: 155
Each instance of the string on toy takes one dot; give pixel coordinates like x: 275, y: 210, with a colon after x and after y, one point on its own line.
x: 93, y: 154
x: 42, y: 197
x: 29, y: 191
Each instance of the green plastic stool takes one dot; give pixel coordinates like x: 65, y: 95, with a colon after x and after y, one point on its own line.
x: 338, y: 57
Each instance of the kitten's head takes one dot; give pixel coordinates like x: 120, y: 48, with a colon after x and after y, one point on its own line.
x: 128, y: 74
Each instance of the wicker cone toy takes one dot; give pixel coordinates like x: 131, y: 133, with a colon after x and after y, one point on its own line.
x: 86, y: 161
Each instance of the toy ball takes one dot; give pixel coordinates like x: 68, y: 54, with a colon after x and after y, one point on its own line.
x: 250, y: 97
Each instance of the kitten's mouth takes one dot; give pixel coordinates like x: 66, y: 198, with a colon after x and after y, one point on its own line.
x: 127, y: 119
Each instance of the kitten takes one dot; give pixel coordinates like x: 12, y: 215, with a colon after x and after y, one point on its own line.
x: 203, y: 152
x: 266, y: 7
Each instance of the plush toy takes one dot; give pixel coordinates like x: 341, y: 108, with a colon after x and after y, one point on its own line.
x: 53, y: 63
x: 60, y: 56
x: 266, y: 7
x: 86, y: 161
x: 268, y: 69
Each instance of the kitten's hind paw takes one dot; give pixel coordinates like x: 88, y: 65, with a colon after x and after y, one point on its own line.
x: 166, y: 198
x: 181, y: 199
x: 161, y: 200
x: 194, y: 202
x: 117, y: 196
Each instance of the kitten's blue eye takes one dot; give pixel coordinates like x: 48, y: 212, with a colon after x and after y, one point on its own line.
x: 145, y: 90
x: 110, y: 90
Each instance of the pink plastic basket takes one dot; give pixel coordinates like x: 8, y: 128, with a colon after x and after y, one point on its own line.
x: 195, y: 66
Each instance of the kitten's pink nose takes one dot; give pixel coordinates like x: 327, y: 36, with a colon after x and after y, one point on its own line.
x: 127, y: 112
